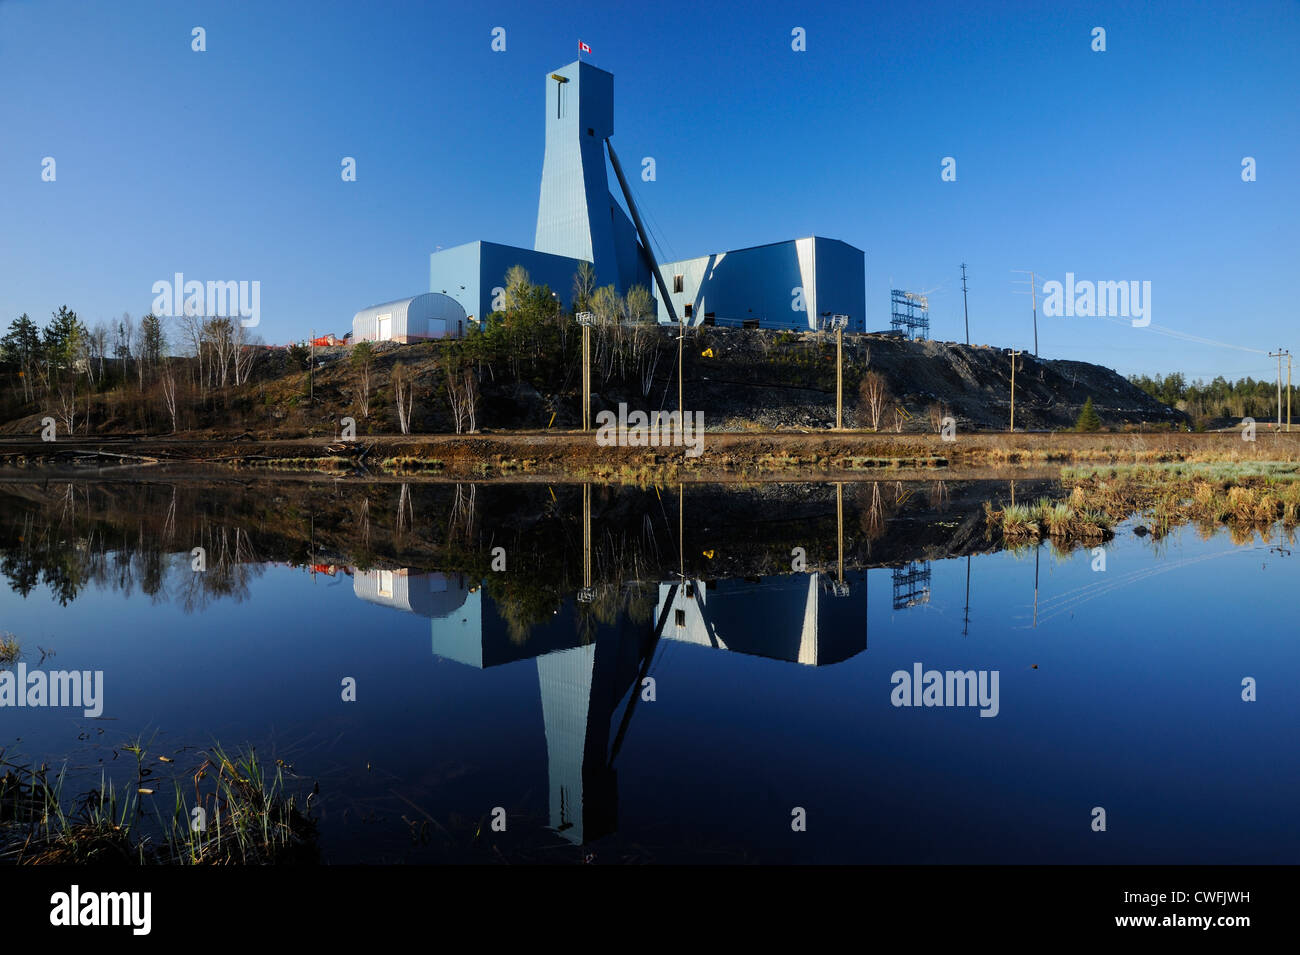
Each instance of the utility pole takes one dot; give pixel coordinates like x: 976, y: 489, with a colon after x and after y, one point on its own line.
x: 585, y: 319
x: 1038, y: 549
x: 838, y: 322
x: 1014, y: 356
x: 965, y: 620
x: 681, y: 338
x: 1278, y: 355
x: 311, y: 370
x: 839, y: 523
x: 1288, y: 392
x: 965, y: 310
x: 1033, y: 297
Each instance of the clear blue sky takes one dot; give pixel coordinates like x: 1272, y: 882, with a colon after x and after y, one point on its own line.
x: 225, y: 164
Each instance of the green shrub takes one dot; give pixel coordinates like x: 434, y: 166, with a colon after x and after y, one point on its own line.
x: 1088, y: 419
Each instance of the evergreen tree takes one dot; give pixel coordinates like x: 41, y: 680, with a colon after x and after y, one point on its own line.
x: 1088, y: 418
x: 153, y: 340
x: 22, y: 346
x: 63, y: 337
x: 22, y: 343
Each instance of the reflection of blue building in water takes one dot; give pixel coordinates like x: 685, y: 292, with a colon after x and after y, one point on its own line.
x: 797, y: 618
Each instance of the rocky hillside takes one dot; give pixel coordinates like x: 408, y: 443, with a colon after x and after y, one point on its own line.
x: 774, y: 379
x: 742, y: 380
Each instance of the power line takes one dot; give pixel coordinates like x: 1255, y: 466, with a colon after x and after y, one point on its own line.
x: 1182, y: 336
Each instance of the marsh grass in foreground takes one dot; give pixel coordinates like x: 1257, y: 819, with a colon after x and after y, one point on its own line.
x: 244, y: 817
x: 1047, y: 518
x: 1251, y: 496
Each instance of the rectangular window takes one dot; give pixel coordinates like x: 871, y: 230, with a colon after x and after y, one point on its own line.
x: 678, y: 284
x: 688, y: 309
x: 681, y: 618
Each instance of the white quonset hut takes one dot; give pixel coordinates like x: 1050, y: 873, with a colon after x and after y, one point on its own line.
x: 431, y: 315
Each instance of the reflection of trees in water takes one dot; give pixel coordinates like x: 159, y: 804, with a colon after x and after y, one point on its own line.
x: 460, y: 521
x: 231, y: 564
x: 874, y: 512
x: 937, y: 495
x: 405, y: 514
x: 622, y: 551
x: 139, y: 535
x: 363, y: 521
x: 65, y: 543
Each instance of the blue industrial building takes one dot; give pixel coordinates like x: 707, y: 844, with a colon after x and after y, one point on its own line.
x: 578, y: 218
x: 474, y: 274
x: 793, y: 285
x: 789, y: 285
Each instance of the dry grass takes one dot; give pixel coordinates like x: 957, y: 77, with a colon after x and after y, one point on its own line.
x: 1247, y: 497
x: 1057, y: 520
x: 249, y: 819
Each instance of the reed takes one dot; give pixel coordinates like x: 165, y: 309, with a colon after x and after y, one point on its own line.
x: 246, y: 817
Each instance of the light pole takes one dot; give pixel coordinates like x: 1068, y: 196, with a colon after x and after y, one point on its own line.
x: 585, y: 319
x: 839, y: 322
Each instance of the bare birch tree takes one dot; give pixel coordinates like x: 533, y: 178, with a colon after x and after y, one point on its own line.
x: 404, y: 395
x: 362, y: 356
x: 169, y: 392
x: 874, y: 395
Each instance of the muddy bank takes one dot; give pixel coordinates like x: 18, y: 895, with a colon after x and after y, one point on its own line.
x: 572, y: 455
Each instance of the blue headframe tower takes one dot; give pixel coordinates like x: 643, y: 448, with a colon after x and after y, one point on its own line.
x: 577, y: 215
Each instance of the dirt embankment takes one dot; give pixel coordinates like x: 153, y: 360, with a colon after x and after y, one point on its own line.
x: 579, y: 456
x: 777, y: 379
x: 740, y: 380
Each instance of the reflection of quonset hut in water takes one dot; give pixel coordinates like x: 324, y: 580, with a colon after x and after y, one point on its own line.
x: 425, y: 595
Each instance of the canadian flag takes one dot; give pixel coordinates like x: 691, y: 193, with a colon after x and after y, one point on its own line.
x: 583, y: 48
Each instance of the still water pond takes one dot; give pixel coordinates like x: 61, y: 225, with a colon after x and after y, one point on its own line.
x: 645, y: 675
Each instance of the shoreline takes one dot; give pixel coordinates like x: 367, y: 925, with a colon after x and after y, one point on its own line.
x: 575, y: 455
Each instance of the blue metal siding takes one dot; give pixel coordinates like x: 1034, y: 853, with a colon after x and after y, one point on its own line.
x: 577, y: 215
x: 557, y: 271
x: 455, y: 272
x: 841, y: 281
x: 760, y: 284
x: 632, y: 267
x: 573, y: 208
x: 480, y: 267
